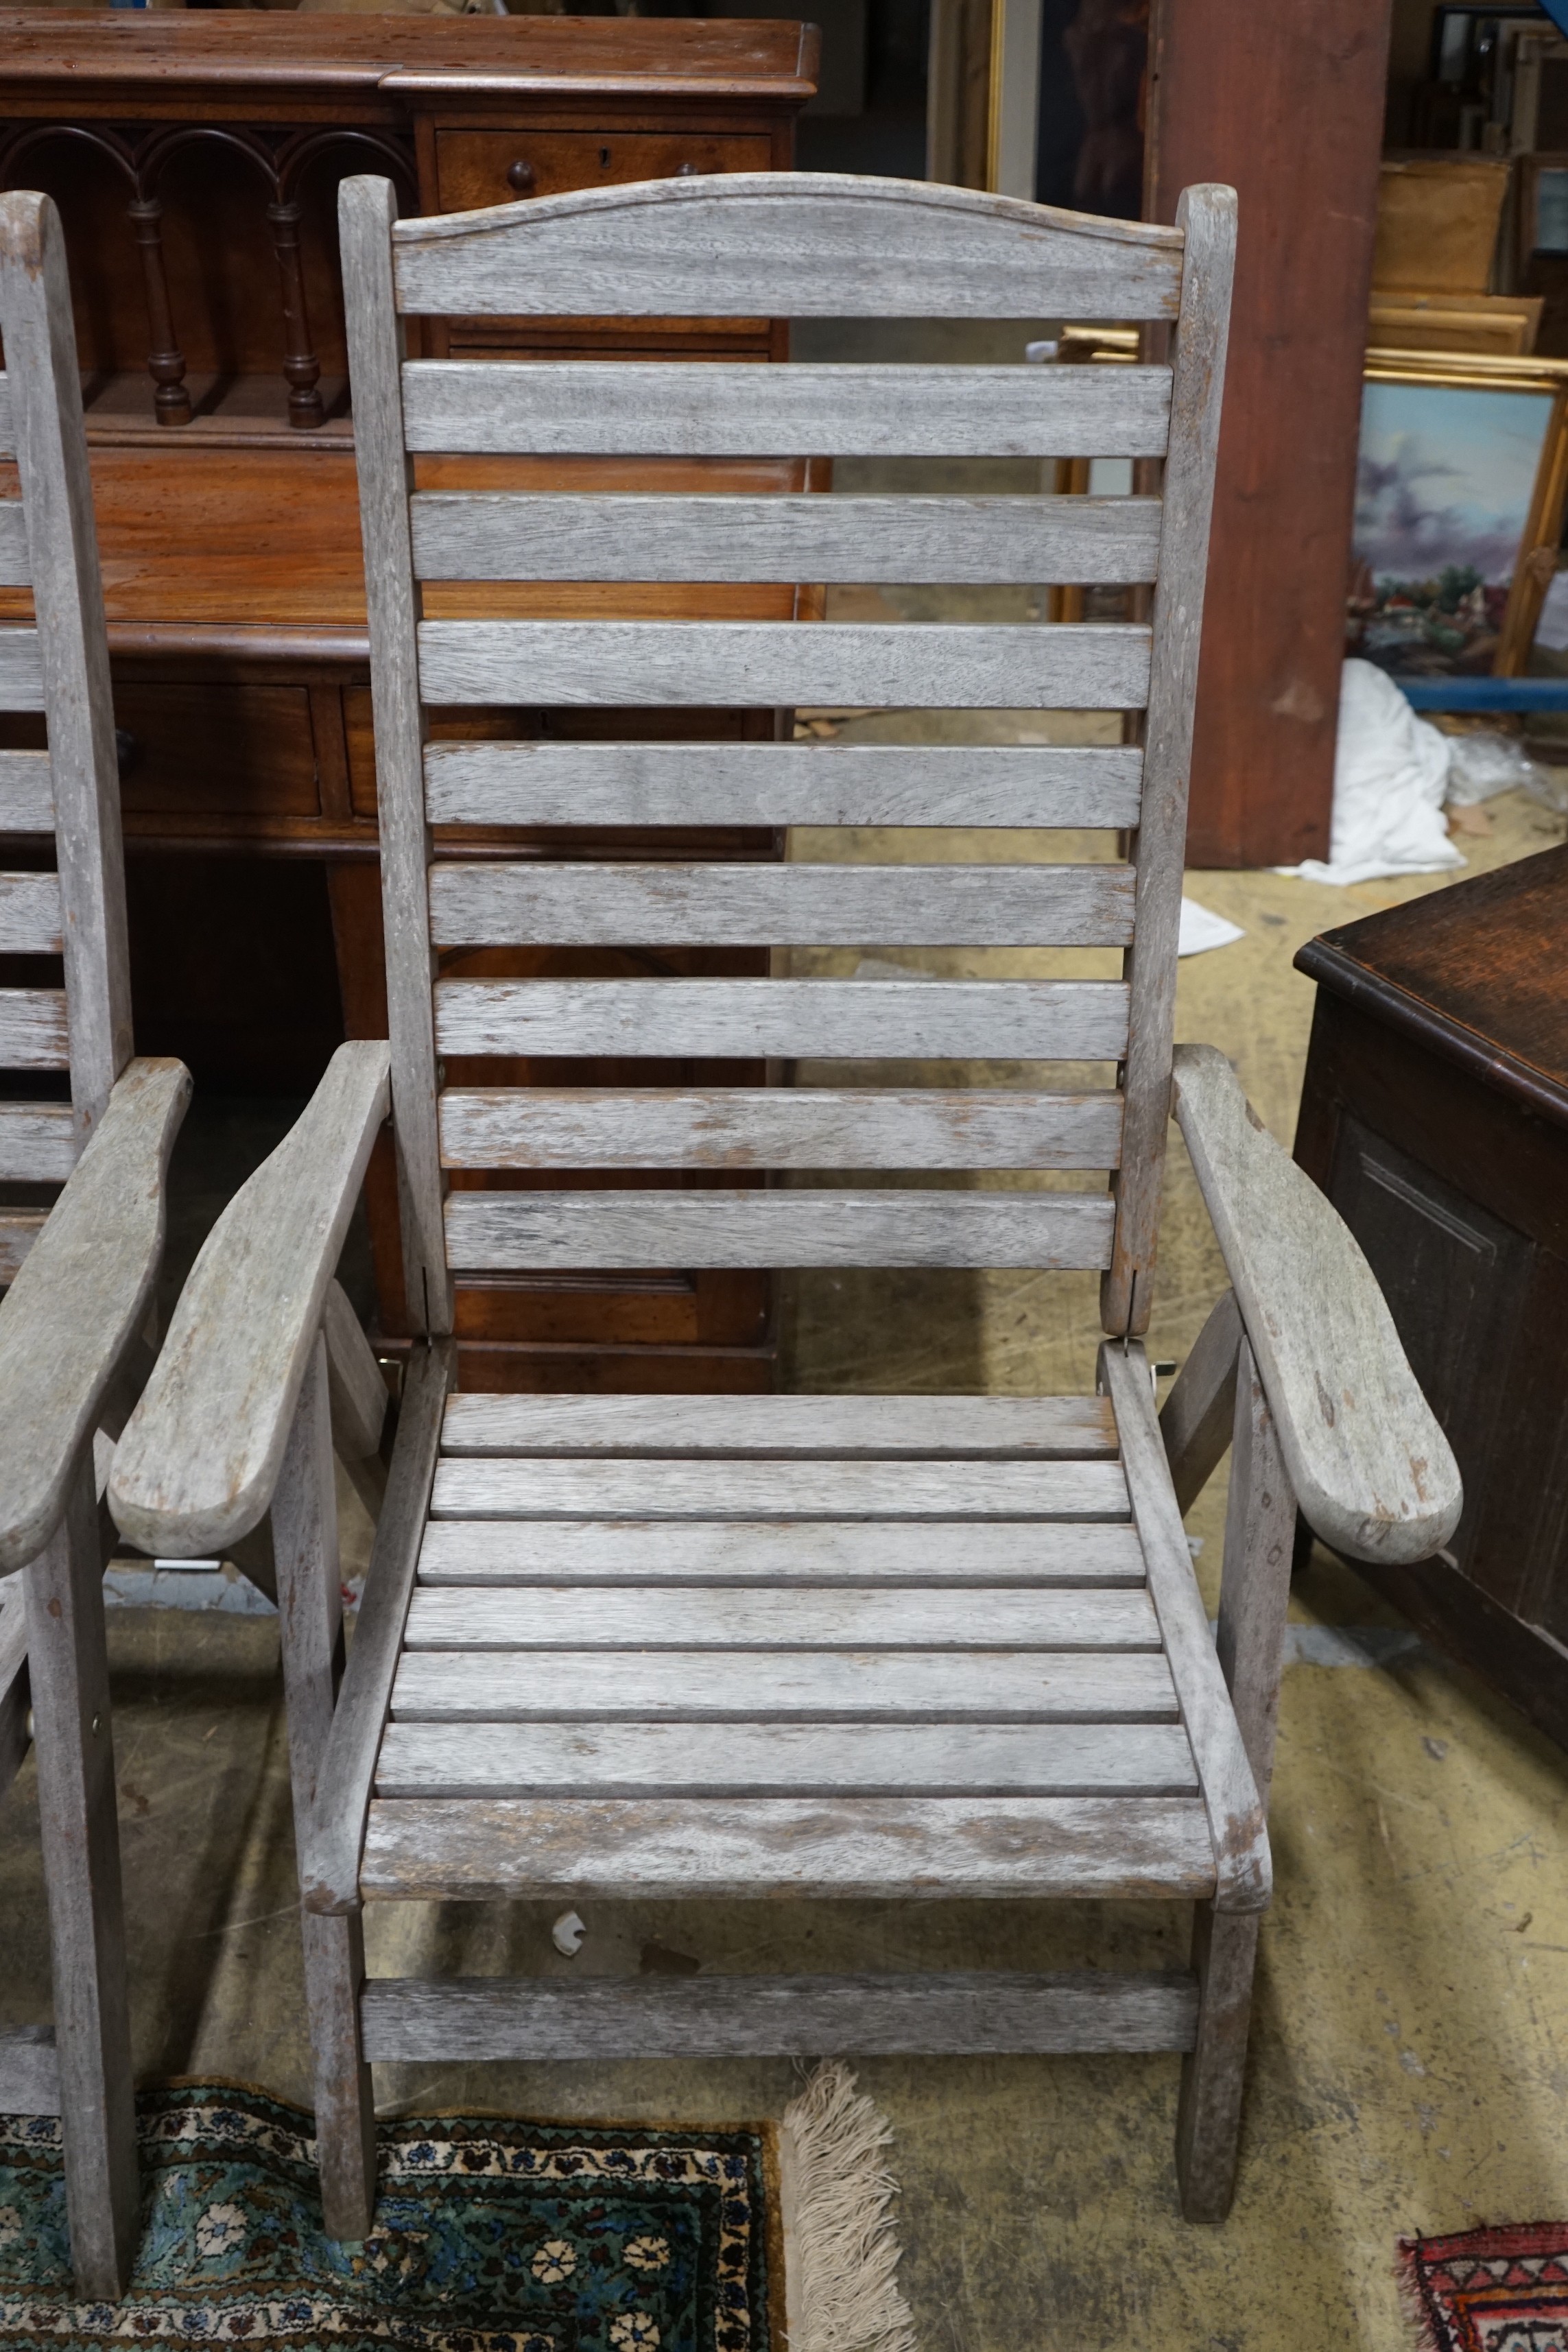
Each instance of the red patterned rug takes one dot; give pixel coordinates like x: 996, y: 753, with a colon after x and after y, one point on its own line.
x: 1490, y: 2290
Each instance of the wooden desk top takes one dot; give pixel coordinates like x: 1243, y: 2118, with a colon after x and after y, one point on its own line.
x: 1477, y: 972
x: 58, y: 58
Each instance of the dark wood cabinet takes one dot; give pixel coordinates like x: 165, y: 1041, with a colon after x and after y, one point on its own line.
x: 195, y: 159
x: 1434, y: 1115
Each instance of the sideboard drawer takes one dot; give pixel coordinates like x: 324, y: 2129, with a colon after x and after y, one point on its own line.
x: 222, y: 748
x: 474, y: 168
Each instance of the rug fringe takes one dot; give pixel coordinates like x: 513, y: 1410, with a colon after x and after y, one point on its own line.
x: 841, y: 2249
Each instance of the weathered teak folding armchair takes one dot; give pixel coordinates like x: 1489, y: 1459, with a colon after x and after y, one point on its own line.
x: 82, y: 1270
x: 618, y: 1646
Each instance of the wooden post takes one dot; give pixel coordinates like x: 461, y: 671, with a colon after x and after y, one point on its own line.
x: 302, y: 368
x: 1286, y: 104
x: 958, y: 92
x: 1015, y: 98
x: 165, y: 361
x: 69, y: 1667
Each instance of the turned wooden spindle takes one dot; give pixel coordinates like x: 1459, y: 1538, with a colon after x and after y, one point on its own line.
x: 165, y: 361
x: 302, y: 368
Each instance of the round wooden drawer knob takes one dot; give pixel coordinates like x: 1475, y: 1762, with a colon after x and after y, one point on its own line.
x: 689, y: 171
x: 522, y: 176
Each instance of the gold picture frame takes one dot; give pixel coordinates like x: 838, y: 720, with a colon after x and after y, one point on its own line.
x: 1410, y: 548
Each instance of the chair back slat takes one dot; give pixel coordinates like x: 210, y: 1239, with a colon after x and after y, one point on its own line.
x: 584, y: 408
x: 529, y: 904
x: 563, y: 1231
x: 58, y: 667
x: 696, y: 663
x: 787, y: 1020
x: 984, y: 540
x: 744, y: 248
x: 769, y: 783
x: 488, y: 542
x: 779, y: 1127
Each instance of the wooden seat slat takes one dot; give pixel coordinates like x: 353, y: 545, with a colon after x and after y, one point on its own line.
x: 800, y: 1687
x: 495, y: 1848
x: 608, y: 1760
x: 563, y: 535
x: 974, y: 1617
x: 811, y: 1020
x: 779, y: 1555
x: 936, y: 665
x: 493, y: 1488
x: 525, y: 1230
x: 29, y: 903
x: 822, y: 1427
x: 971, y: 784
x: 739, y: 1128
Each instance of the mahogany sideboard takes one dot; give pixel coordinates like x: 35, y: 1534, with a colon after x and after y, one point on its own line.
x: 1435, y: 1116
x: 196, y: 158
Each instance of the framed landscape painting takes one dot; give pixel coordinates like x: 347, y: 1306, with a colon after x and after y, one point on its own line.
x: 1459, y: 495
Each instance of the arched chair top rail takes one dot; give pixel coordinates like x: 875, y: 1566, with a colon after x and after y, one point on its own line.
x: 787, y: 244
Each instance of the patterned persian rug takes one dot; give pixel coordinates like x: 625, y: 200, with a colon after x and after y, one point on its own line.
x: 1490, y: 2290
x: 491, y: 2236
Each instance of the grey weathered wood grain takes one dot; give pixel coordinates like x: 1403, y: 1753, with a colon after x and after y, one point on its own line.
x: 783, y: 1759
x: 30, y: 2071
x: 516, y: 1231
x: 798, y: 1687
x: 1196, y: 1419
x: 1255, y: 1588
x: 30, y: 914
x: 821, y: 1427
x: 1230, y: 1793
x: 1371, y: 1468
x: 787, y: 906
x: 79, y: 1295
x: 309, y: 1610
x: 200, y: 1456
x: 723, y: 410
x: 20, y: 1229
x: 39, y: 1142
x: 334, y: 1831
x: 928, y: 665
x: 795, y: 245
x: 561, y: 535
x: 15, y: 1736
x: 972, y: 1617
x: 358, y: 1391
x: 768, y: 1553
x: 1208, y: 2114
x: 35, y: 1034
x: 816, y: 1020
x: 808, y: 1127
x: 8, y: 423
x: 16, y: 563
x: 21, y: 669
x: 485, y: 1488
x: 73, y: 644
x: 773, y: 783
x: 67, y: 1666
x: 27, y: 796
x: 365, y: 211
x: 1207, y: 216
x: 990, y: 2013
x: 617, y: 1849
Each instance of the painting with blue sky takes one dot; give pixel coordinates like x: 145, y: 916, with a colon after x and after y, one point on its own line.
x: 1444, y: 487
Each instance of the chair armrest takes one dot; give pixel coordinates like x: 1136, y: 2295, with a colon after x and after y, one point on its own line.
x: 1372, y: 1469
x: 79, y: 1296
x: 200, y: 1456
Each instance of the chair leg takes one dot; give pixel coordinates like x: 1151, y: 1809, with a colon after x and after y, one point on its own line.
x: 1208, y: 2117
x: 69, y: 1667
x: 1255, y: 1593
x: 309, y: 1608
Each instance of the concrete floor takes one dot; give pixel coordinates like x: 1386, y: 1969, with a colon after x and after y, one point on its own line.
x: 1410, y: 2050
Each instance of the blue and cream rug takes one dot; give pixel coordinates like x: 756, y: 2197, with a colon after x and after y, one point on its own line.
x: 491, y: 2236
